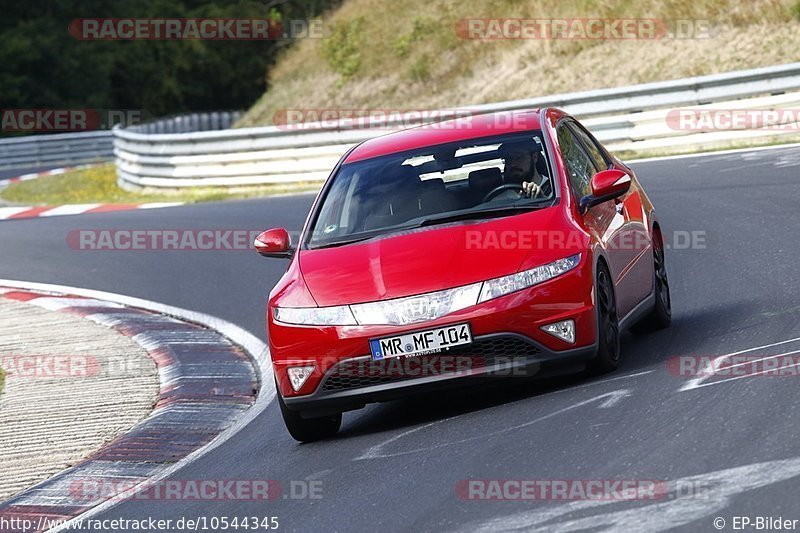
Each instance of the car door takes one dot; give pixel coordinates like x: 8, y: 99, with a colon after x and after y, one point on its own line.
x: 604, y: 221
x: 637, y: 277
x: 627, y: 232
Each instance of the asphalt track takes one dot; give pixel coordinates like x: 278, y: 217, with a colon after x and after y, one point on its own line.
x: 729, y: 447
x: 8, y: 173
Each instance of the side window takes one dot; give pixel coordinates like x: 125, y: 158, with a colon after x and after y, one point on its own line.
x: 580, y: 167
x: 591, y: 145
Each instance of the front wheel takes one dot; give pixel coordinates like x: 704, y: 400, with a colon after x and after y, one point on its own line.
x: 608, y: 342
x: 309, y: 429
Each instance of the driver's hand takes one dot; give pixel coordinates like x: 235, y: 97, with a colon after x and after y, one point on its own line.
x: 530, y: 189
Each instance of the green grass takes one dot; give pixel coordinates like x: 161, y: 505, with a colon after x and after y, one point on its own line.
x: 2, y: 380
x: 99, y: 185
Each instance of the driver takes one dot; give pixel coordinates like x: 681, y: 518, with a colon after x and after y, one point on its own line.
x: 520, y: 168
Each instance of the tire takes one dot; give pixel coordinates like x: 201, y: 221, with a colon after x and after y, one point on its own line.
x: 309, y: 429
x: 608, y: 341
x: 661, y: 315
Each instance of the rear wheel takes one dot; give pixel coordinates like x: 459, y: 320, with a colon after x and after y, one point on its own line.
x: 661, y: 315
x: 608, y: 342
x: 309, y: 429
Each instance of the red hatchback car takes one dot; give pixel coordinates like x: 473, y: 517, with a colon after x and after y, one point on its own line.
x: 495, y: 245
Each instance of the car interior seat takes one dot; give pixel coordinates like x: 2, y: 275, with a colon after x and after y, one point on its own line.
x: 482, y: 181
x: 395, y: 200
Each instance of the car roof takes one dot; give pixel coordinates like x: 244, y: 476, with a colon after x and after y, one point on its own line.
x: 466, y: 127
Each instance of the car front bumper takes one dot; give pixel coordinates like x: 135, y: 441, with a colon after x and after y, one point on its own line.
x: 353, y: 383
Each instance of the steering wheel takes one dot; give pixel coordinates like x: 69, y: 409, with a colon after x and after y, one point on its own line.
x: 497, y: 191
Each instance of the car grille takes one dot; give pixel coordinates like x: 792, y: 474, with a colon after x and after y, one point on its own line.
x: 487, y: 352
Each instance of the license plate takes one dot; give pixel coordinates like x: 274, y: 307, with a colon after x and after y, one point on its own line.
x: 420, y: 342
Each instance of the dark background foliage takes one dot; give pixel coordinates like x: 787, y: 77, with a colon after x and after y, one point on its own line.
x: 43, y: 66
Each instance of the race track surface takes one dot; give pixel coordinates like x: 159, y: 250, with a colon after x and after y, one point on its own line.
x: 731, y: 446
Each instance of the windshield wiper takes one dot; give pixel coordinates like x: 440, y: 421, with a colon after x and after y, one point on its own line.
x: 483, y: 213
x: 343, y: 242
x: 383, y: 232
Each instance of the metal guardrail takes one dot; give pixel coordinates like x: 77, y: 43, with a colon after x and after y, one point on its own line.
x: 57, y: 149
x: 94, y: 146
x: 216, y: 120
x: 651, y: 131
x: 619, y: 117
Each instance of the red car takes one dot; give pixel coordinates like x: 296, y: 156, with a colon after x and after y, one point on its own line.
x: 503, y: 244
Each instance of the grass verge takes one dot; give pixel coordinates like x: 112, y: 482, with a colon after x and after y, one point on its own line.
x: 413, y: 57
x: 98, y: 185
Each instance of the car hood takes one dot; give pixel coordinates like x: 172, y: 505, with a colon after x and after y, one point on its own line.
x: 422, y: 260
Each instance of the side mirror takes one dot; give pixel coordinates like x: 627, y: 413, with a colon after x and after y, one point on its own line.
x: 606, y: 185
x: 273, y: 243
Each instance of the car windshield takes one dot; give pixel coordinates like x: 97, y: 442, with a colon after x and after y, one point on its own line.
x: 476, y: 178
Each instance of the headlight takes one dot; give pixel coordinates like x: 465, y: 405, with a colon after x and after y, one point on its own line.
x: 424, y: 307
x: 497, y: 287
x: 316, y: 316
x: 402, y: 311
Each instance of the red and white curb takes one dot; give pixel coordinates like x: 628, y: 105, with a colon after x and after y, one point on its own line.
x: 52, y: 172
x: 17, y: 212
x: 211, y: 387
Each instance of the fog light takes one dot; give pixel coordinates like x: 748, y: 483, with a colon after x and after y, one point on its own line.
x: 298, y: 375
x: 564, y: 330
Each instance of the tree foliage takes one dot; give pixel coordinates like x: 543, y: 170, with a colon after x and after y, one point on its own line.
x: 43, y: 66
